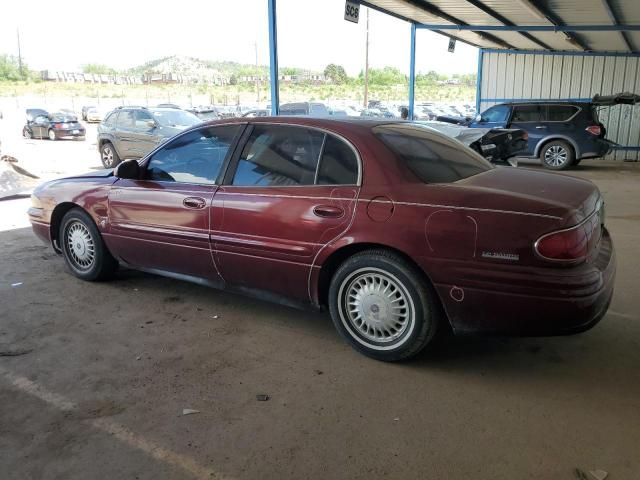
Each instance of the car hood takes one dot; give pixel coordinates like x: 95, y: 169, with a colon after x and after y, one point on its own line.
x: 101, y: 173
x: 532, y: 191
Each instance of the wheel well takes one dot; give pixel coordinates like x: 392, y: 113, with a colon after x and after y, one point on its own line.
x: 556, y: 139
x: 56, y: 217
x: 336, y: 259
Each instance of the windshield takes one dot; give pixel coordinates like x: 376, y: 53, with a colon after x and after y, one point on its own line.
x: 175, y: 118
x: 62, y: 117
x: 431, y: 156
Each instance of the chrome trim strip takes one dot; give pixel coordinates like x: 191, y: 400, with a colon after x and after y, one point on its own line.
x: 162, y: 230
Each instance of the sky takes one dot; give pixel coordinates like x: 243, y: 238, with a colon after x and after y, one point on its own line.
x: 127, y: 33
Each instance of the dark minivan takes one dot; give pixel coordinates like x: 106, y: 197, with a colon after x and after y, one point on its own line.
x: 561, y: 134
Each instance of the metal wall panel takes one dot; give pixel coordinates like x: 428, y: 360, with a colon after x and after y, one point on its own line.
x: 518, y: 76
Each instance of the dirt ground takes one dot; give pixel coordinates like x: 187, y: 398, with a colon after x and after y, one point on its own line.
x: 98, y: 376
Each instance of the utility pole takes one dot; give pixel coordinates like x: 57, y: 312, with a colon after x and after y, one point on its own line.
x: 366, y: 66
x: 255, y: 45
x: 19, y: 55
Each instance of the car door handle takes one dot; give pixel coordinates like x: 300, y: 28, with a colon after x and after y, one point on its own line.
x: 541, y: 127
x: 194, y: 202
x: 328, y: 211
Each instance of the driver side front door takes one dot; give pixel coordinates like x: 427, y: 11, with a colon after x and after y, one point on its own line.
x: 161, y: 221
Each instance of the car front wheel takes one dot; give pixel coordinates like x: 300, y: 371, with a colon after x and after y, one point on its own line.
x: 52, y: 134
x: 109, y: 156
x: 382, y: 305
x: 557, y: 155
x: 83, y: 249
x: 26, y: 133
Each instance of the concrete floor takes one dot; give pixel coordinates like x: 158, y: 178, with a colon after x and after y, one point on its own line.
x: 106, y: 370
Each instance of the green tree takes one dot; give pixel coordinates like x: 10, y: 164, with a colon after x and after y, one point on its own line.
x: 336, y: 73
x: 10, y: 69
x: 98, y: 68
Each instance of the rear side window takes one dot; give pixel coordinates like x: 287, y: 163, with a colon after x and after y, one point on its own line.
x: 111, y: 119
x: 432, y: 157
x: 125, y: 119
x: 338, y: 165
x: 560, y: 113
x: 528, y: 113
x: 195, y: 157
x: 279, y: 156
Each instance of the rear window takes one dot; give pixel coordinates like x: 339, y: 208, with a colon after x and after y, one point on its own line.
x: 560, y: 113
x: 432, y: 157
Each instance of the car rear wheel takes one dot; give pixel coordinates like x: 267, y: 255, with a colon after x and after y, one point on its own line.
x: 26, y: 133
x: 557, y: 155
x: 109, y: 156
x: 52, y: 134
x: 382, y: 306
x: 83, y: 248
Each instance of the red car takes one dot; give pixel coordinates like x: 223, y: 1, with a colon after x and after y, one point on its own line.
x: 397, y: 229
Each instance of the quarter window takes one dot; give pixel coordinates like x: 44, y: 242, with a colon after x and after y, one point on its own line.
x: 195, y: 157
x: 338, y: 165
x: 279, y: 156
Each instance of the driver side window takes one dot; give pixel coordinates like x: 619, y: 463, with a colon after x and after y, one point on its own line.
x: 195, y: 157
x: 499, y: 113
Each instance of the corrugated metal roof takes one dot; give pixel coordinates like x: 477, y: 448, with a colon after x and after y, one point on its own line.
x: 527, y: 13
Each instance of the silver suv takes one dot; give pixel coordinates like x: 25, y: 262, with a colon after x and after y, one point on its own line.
x: 132, y: 132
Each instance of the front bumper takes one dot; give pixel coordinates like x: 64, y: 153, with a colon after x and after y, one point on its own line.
x: 576, y: 302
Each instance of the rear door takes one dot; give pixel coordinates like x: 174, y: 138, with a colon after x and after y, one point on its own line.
x: 162, y: 220
x: 560, y: 120
x: 530, y: 118
x: 124, y: 136
x: 279, y: 206
x: 145, y: 133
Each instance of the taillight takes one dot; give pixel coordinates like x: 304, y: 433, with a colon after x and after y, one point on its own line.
x: 563, y: 245
x: 594, y: 130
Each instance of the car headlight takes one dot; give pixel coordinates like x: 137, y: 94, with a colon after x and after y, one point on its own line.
x: 35, y: 202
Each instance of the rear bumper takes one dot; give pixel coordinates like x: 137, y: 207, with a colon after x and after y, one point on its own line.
x: 598, y: 148
x: 70, y: 133
x: 575, y: 304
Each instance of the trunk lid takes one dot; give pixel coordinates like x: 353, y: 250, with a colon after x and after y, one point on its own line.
x: 531, y: 191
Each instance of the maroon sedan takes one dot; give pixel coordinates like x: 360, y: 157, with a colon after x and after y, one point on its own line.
x: 397, y: 229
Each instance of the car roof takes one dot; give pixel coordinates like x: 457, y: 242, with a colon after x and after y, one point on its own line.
x: 546, y: 102
x: 320, y: 122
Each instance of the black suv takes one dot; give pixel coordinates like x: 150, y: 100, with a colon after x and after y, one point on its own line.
x: 132, y: 132
x: 560, y: 133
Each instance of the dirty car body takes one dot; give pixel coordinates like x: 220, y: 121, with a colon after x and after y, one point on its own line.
x: 394, y: 227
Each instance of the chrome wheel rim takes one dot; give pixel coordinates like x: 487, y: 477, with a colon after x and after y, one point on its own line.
x: 80, y: 245
x: 107, y: 156
x: 27, y: 133
x: 556, y: 156
x: 52, y: 135
x: 376, y: 308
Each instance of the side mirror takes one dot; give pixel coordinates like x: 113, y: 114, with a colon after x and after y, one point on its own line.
x: 478, y: 118
x: 129, y: 169
x: 151, y: 124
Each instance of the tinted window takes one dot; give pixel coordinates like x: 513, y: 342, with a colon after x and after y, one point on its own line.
x: 175, y: 118
x: 432, y: 157
x: 528, y: 113
x: 125, y: 119
x: 195, y: 157
x: 141, y: 120
x: 499, y: 113
x: 279, y: 156
x: 338, y: 165
x: 560, y: 113
x: 111, y: 119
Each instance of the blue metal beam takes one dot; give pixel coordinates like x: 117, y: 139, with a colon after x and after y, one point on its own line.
x: 534, y: 28
x: 412, y: 71
x: 614, y: 20
x: 273, y: 58
x: 479, y: 80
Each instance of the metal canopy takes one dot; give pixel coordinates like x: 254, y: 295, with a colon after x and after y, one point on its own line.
x: 553, y: 25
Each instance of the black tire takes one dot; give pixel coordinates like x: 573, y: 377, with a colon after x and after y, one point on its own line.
x: 557, y: 155
x: 26, y: 133
x: 109, y: 156
x: 576, y: 161
x: 89, y: 258
x: 419, y: 313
